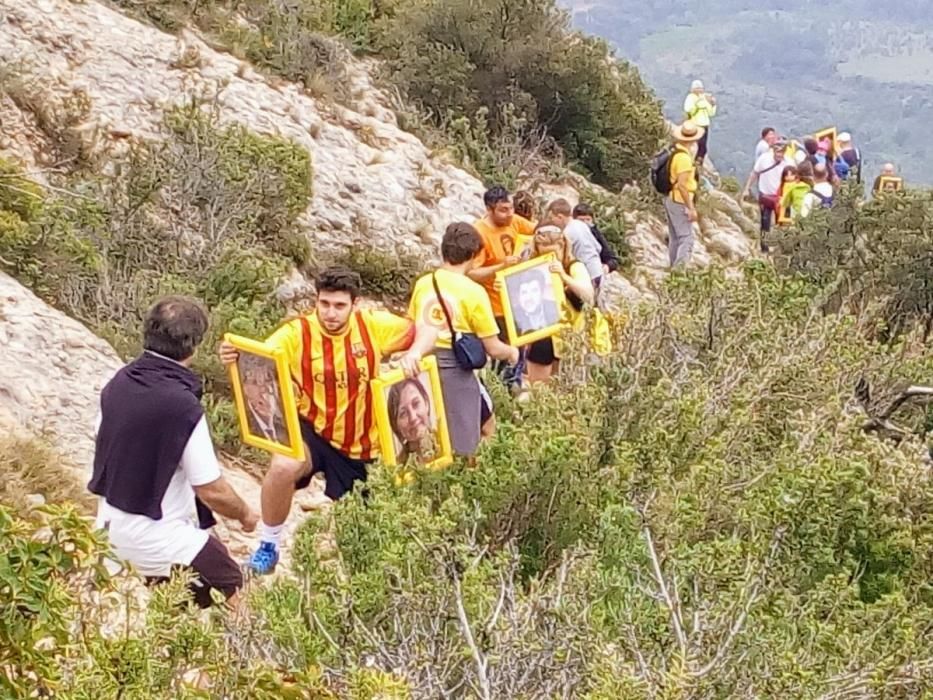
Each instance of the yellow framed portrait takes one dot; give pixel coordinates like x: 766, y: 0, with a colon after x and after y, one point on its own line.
x: 265, y: 398
x: 411, y: 419
x: 831, y: 133
x: 783, y: 216
x: 532, y: 300
x: 890, y: 183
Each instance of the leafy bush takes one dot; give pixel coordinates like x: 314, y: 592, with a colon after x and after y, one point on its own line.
x: 386, y: 276
x: 881, y: 252
x: 704, y: 515
x: 209, y: 211
x: 455, y: 57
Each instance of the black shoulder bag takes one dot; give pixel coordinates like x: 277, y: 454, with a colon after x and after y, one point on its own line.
x: 468, y: 349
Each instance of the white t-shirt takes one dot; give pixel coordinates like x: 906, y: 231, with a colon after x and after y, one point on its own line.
x: 770, y: 173
x: 153, y: 546
x: 824, y: 188
x: 584, y: 247
x: 762, y: 148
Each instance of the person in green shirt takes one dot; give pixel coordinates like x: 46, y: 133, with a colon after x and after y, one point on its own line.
x: 700, y: 108
x: 794, y: 193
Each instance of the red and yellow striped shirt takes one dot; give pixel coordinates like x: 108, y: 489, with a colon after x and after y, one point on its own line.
x: 333, y: 373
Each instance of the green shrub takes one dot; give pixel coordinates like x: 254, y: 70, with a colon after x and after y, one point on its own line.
x: 703, y: 514
x: 879, y: 252
x: 208, y: 212
x: 455, y: 57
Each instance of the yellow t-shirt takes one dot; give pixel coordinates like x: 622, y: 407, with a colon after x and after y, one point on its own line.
x: 333, y: 374
x: 682, y: 162
x: 499, y: 242
x: 573, y: 319
x: 466, y: 302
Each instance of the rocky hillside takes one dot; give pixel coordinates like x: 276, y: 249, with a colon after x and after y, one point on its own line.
x: 373, y: 183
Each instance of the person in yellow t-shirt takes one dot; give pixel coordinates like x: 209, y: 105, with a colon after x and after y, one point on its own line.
x: 333, y: 354
x: 466, y: 404
x: 544, y: 355
x: 502, y: 232
x: 700, y: 108
x: 680, y: 204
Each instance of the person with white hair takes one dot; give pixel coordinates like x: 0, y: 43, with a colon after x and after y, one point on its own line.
x: 850, y: 154
x: 700, y: 108
x: 888, y: 180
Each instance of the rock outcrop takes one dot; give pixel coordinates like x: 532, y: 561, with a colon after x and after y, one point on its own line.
x: 51, y: 374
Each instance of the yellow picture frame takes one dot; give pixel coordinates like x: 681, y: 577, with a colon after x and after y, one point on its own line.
x: 886, y: 180
x: 832, y: 133
x: 285, y: 408
x: 517, y: 334
x: 392, y: 446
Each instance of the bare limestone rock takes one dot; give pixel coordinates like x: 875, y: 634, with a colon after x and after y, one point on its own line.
x: 51, y: 374
x: 365, y: 168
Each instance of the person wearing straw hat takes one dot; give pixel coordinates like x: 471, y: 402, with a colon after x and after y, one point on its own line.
x: 680, y: 204
x: 700, y: 108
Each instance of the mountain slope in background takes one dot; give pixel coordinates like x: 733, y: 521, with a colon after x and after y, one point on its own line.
x: 865, y: 66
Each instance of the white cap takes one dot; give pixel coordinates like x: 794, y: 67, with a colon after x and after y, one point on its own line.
x: 696, y: 85
x: 844, y: 137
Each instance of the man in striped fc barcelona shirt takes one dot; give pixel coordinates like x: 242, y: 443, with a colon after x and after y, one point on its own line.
x: 333, y: 354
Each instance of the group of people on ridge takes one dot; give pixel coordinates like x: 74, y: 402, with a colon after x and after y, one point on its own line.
x: 791, y: 178
x: 155, y: 467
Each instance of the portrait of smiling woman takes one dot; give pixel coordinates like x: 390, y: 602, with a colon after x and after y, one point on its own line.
x: 411, y: 416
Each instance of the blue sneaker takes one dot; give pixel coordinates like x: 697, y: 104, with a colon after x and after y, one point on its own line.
x: 264, y: 559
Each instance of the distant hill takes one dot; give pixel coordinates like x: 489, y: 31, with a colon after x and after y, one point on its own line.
x: 863, y: 65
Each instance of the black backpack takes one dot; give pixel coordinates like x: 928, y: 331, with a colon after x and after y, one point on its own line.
x: 661, y: 171
x: 825, y: 202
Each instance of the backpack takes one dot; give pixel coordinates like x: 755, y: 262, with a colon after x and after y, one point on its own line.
x: 661, y: 170
x: 825, y: 202
x: 842, y: 169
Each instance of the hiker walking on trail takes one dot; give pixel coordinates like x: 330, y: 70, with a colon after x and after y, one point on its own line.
x: 768, y: 137
x: 459, y: 309
x: 155, y: 470
x: 768, y: 175
x: 700, y: 108
x: 850, y: 155
x: 888, y: 180
x: 822, y: 194
x: 503, y: 233
x: 333, y: 354
x: 680, y: 204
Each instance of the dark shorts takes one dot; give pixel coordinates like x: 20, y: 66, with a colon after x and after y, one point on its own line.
x: 215, y: 569
x: 541, y: 352
x: 340, y: 472
x: 485, y: 404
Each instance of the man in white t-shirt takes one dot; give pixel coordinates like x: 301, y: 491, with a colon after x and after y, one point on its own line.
x: 155, y: 470
x: 768, y: 174
x: 768, y: 138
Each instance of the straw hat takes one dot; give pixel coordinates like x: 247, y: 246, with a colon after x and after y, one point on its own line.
x: 688, y: 131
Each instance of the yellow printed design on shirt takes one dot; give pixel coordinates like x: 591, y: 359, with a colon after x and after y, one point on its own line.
x: 333, y: 374
x: 466, y: 303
